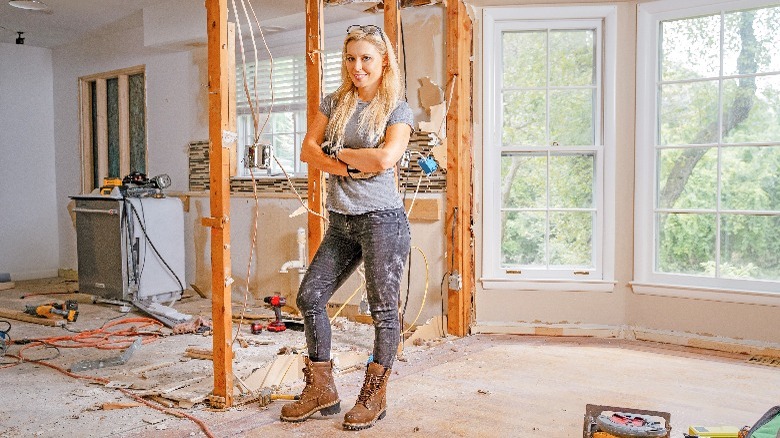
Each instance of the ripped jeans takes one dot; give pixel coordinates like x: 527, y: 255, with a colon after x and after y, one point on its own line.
x: 380, y: 239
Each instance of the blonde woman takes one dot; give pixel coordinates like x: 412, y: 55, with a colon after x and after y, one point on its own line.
x: 360, y: 133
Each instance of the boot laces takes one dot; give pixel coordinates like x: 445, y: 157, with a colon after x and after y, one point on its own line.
x: 370, y: 387
x: 308, y: 377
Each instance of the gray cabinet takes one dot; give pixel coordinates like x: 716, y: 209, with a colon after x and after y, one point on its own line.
x: 130, y: 248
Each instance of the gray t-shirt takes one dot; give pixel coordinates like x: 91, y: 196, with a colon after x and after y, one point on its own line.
x: 357, y: 196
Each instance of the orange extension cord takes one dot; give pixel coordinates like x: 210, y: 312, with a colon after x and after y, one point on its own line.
x: 107, y: 340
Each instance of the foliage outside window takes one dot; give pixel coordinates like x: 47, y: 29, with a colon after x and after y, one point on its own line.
x: 286, y: 126
x: 717, y: 209
x: 545, y: 149
x: 113, y: 125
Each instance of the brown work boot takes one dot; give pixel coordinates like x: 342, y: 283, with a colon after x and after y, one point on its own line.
x: 371, y: 403
x: 319, y: 394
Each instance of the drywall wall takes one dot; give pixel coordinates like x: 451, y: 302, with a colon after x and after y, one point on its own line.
x: 176, y: 111
x: 28, y: 220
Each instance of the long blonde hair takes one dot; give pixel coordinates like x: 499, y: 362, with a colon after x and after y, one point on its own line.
x: 373, y: 119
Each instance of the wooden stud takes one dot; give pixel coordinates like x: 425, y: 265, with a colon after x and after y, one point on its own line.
x: 392, y: 27
x: 219, y: 180
x: 124, y: 125
x: 85, y: 121
x: 316, y: 178
x: 102, y: 129
x: 459, y: 166
x: 231, y: 72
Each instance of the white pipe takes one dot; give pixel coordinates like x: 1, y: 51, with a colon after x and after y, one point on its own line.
x: 299, y: 264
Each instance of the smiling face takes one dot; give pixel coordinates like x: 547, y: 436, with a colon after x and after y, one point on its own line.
x: 365, y: 65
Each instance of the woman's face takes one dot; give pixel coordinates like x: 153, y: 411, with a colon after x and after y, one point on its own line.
x: 364, y: 65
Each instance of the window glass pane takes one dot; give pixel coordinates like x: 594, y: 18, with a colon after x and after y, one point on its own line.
x: 690, y: 48
x: 751, y: 109
x: 751, y: 179
x: 522, y: 238
x: 524, y: 56
x: 137, y: 123
x: 572, y: 54
x: 524, y: 118
x: 689, y: 113
x: 686, y: 243
x: 284, y: 150
x: 571, y: 239
x: 750, y: 247
x: 571, y: 117
x: 94, y: 124
x: 112, y: 99
x: 754, y: 35
x: 688, y: 178
x: 571, y: 180
x: 524, y: 180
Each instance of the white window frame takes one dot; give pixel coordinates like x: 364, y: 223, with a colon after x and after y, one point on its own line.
x: 494, y: 21
x: 647, y: 281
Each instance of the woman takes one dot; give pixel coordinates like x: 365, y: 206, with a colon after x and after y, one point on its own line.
x: 367, y: 128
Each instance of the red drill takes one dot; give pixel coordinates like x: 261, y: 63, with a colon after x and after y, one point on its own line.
x: 276, y: 302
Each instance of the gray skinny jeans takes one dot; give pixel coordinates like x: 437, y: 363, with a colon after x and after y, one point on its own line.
x: 382, y: 240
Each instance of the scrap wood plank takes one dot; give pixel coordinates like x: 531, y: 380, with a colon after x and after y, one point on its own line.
x: 284, y: 369
x: 170, y: 387
x: 119, y: 405
x: 198, y: 353
x: 152, y: 367
x: 7, y: 285
x: 191, y: 394
x: 21, y: 316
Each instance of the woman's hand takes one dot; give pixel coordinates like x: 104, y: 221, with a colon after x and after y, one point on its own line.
x: 311, y: 149
x: 383, y: 157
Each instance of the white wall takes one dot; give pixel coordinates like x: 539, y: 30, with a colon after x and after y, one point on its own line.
x: 175, y: 104
x: 28, y: 220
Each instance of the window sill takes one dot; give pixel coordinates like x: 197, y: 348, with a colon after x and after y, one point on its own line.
x: 267, y: 177
x: 548, y: 285
x: 707, y: 294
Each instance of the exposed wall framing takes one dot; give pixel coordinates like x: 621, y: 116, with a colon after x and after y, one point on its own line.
x: 460, y: 159
x: 219, y: 169
x: 316, y: 179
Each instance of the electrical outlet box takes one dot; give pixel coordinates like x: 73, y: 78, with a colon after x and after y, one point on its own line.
x: 455, y: 282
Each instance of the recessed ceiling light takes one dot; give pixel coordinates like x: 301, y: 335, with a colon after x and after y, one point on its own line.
x: 33, y: 5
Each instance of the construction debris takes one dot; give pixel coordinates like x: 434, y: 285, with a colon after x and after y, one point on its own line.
x: 108, y: 362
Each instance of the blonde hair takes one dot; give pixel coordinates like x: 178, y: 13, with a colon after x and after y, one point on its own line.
x: 373, y: 119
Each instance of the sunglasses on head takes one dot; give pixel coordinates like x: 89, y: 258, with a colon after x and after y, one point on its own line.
x: 369, y: 28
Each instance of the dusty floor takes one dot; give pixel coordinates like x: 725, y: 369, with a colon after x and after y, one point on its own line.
x: 474, y: 386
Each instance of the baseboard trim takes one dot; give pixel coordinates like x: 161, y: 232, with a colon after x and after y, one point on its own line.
x: 716, y: 343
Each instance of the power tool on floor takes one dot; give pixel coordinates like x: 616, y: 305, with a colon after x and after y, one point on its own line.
x: 276, y: 302
x: 68, y: 310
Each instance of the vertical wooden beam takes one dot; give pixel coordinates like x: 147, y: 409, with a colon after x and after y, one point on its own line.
x: 231, y: 72
x: 316, y: 182
x: 393, y: 27
x: 219, y: 186
x: 459, y: 167
x: 102, y: 129
x: 85, y: 116
x: 124, y: 125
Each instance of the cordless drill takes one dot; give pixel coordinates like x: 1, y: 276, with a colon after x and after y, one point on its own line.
x: 276, y: 302
x: 69, y: 310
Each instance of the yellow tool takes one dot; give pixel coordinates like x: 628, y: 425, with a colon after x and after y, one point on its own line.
x: 109, y: 184
x: 714, y: 431
x: 69, y: 310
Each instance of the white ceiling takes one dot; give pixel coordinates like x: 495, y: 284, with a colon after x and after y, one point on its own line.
x: 71, y: 20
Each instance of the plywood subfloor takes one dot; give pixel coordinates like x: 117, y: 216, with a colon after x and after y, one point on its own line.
x: 471, y: 387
